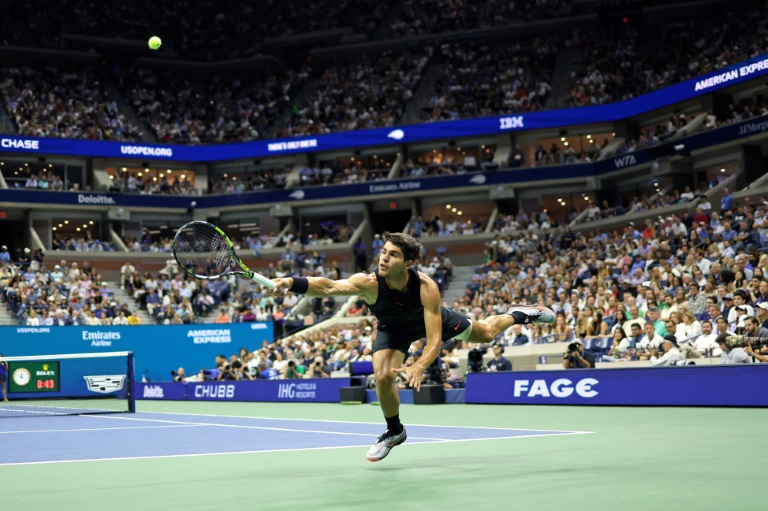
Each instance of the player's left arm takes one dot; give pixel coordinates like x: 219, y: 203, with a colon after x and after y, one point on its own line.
x: 433, y: 321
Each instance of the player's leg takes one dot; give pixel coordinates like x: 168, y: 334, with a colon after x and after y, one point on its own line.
x: 2, y: 387
x: 486, y: 330
x: 388, y: 354
x: 384, y: 361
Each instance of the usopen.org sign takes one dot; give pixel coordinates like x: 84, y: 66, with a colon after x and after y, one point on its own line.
x: 145, y: 150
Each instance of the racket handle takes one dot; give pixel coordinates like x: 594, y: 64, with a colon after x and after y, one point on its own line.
x: 264, y: 281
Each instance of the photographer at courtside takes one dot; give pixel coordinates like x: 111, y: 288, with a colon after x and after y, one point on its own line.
x: 577, y: 358
x: 672, y: 354
x: 732, y: 353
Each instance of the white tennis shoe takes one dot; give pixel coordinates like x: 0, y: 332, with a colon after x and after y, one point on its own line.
x: 384, y: 444
x: 534, y: 313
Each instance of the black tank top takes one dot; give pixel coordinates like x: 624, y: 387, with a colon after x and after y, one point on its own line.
x: 399, y: 311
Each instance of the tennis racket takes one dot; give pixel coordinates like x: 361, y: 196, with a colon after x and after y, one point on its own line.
x: 205, y: 252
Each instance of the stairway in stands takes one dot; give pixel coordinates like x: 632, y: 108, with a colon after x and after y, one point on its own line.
x: 462, y: 275
x: 5, y: 316
x: 122, y: 297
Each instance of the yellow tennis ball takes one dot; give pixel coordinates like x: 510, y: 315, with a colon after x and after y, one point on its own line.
x: 154, y: 42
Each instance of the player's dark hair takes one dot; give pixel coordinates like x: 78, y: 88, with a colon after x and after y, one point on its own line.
x: 405, y: 242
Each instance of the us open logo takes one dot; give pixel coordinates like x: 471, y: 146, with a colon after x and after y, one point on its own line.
x: 105, y: 384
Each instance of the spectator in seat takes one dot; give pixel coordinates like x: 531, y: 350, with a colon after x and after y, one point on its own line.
x: 499, y: 363
x: 707, y: 341
x: 650, y: 343
x: 518, y: 336
x: 762, y: 314
x: 223, y: 316
x: 577, y: 358
x: 376, y: 244
x: 134, y: 320
x: 563, y: 331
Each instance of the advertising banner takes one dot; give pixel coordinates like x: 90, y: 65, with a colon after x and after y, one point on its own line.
x: 704, y: 84
x: 416, y: 185
x: 319, y: 390
x: 742, y: 385
x: 68, y: 377
x: 157, y: 349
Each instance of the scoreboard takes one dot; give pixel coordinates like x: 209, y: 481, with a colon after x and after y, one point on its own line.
x: 33, y: 376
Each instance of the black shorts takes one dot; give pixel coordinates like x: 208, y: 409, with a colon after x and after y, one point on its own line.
x: 454, y: 324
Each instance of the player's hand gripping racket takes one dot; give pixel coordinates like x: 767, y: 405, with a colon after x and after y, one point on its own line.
x: 205, y: 252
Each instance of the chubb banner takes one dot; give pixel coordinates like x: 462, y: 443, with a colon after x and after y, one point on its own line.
x: 663, y: 386
x: 321, y: 390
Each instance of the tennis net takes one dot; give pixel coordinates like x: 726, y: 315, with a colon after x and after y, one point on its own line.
x: 71, y: 384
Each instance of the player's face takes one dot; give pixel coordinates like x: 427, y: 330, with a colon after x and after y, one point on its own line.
x: 391, y: 261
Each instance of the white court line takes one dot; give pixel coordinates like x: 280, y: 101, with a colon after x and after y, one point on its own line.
x: 360, y: 422
x: 369, y: 435
x: 93, y: 429
x: 273, y: 450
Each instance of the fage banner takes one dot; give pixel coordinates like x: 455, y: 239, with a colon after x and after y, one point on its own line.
x: 728, y: 385
x: 157, y: 349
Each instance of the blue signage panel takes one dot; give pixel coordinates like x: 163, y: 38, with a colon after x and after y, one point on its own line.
x: 80, y: 377
x: 476, y: 179
x: 669, y: 386
x: 313, y: 390
x: 157, y: 349
x: 688, y: 89
x: 173, y: 391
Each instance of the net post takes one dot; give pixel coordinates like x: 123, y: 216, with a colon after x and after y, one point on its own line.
x: 131, y: 397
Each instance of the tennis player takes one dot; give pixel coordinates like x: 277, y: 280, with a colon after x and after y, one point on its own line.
x: 3, y: 377
x: 406, y: 304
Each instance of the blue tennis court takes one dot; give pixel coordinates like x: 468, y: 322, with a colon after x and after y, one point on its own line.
x: 159, y: 435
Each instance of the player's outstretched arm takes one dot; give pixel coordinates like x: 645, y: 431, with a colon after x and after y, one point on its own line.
x: 358, y: 284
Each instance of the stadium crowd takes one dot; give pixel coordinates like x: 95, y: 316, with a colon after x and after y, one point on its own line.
x: 208, y: 111
x: 51, y: 102
x: 369, y: 91
x: 423, y: 17
x: 146, y: 184
x: 487, y: 79
x: 690, y: 277
x: 69, y: 294
x: 622, y: 64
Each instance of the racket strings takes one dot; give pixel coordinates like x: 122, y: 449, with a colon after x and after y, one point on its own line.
x: 202, y: 250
